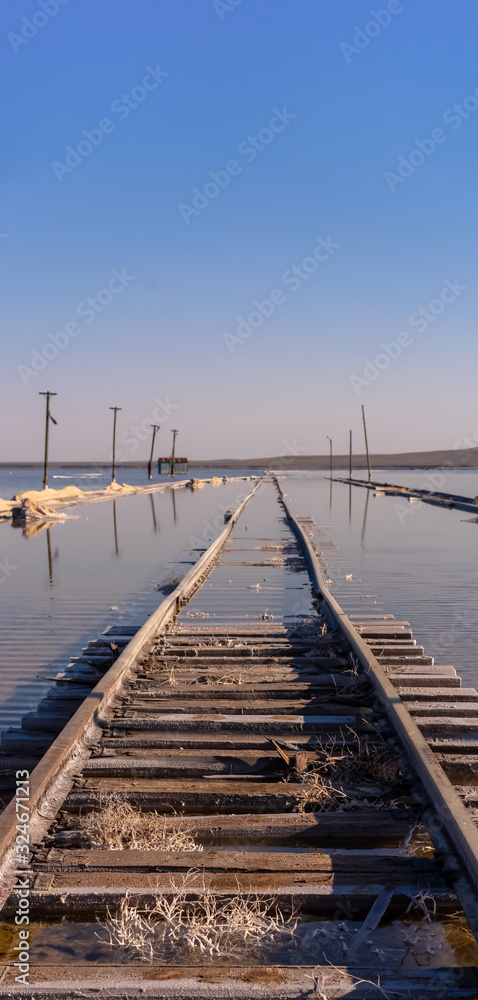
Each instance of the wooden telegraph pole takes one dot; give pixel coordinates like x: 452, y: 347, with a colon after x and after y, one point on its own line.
x: 113, y: 471
x: 47, y: 430
x: 171, y: 468
x: 366, y: 443
x: 155, y: 427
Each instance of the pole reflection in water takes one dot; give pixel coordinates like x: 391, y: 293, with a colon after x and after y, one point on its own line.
x: 52, y: 556
x: 330, y: 496
x: 364, y: 525
x: 50, y: 561
x: 350, y: 505
x: 115, y: 529
x: 173, y: 494
x: 153, y: 509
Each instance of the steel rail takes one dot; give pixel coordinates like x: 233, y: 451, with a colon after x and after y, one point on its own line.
x: 52, y: 778
x: 456, y: 824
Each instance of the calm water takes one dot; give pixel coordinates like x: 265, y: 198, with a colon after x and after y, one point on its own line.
x: 65, y: 584
x: 420, y: 561
x: 91, y: 477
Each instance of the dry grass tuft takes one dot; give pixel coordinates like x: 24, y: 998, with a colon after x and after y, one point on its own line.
x: 322, y: 981
x: 345, y: 774
x: 212, y: 925
x: 359, y: 761
x: 169, y: 676
x: 224, y: 677
x: 318, y: 794
x: 119, y: 826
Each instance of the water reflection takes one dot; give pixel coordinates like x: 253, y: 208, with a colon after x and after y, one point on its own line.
x: 50, y: 559
x: 153, y: 509
x: 61, y: 604
x: 364, y: 525
x: 115, y: 529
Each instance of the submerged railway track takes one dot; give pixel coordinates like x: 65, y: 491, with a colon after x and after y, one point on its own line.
x: 260, y: 798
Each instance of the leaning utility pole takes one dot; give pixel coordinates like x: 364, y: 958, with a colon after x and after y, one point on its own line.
x: 113, y: 471
x: 47, y: 429
x: 366, y: 443
x: 155, y: 427
x: 171, y: 468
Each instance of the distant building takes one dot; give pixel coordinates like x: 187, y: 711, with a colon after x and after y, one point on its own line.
x: 164, y: 465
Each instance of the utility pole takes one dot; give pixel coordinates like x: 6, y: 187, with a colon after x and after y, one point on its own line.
x: 171, y: 468
x: 47, y: 430
x: 350, y: 455
x: 366, y: 443
x: 155, y: 427
x: 330, y: 439
x: 113, y: 471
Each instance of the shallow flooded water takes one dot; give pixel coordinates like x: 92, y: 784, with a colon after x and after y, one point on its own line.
x: 61, y: 586
x: 91, y: 477
x: 419, y: 561
x: 397, y: 944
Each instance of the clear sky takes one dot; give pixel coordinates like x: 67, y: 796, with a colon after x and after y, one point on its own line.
x: 181, y: 159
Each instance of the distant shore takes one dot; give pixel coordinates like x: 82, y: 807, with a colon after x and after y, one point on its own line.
x: 449, y: 459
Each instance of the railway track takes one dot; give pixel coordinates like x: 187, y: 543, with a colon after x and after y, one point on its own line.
x: 436, y: 498
x: 260, y: 798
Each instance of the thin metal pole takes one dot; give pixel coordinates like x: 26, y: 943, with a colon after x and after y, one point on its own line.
x: 47, y: 433
x: 350, y: 456
x: 113, y: 471
x: 171, y: 468
x: 366, y: 443
x: 155, y: 428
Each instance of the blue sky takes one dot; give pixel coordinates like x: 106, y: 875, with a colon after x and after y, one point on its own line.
x: 214, y: 75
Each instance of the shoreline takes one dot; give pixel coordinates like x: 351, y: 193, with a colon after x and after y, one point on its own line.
x: 438, y: 458
x: 37, y: 505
